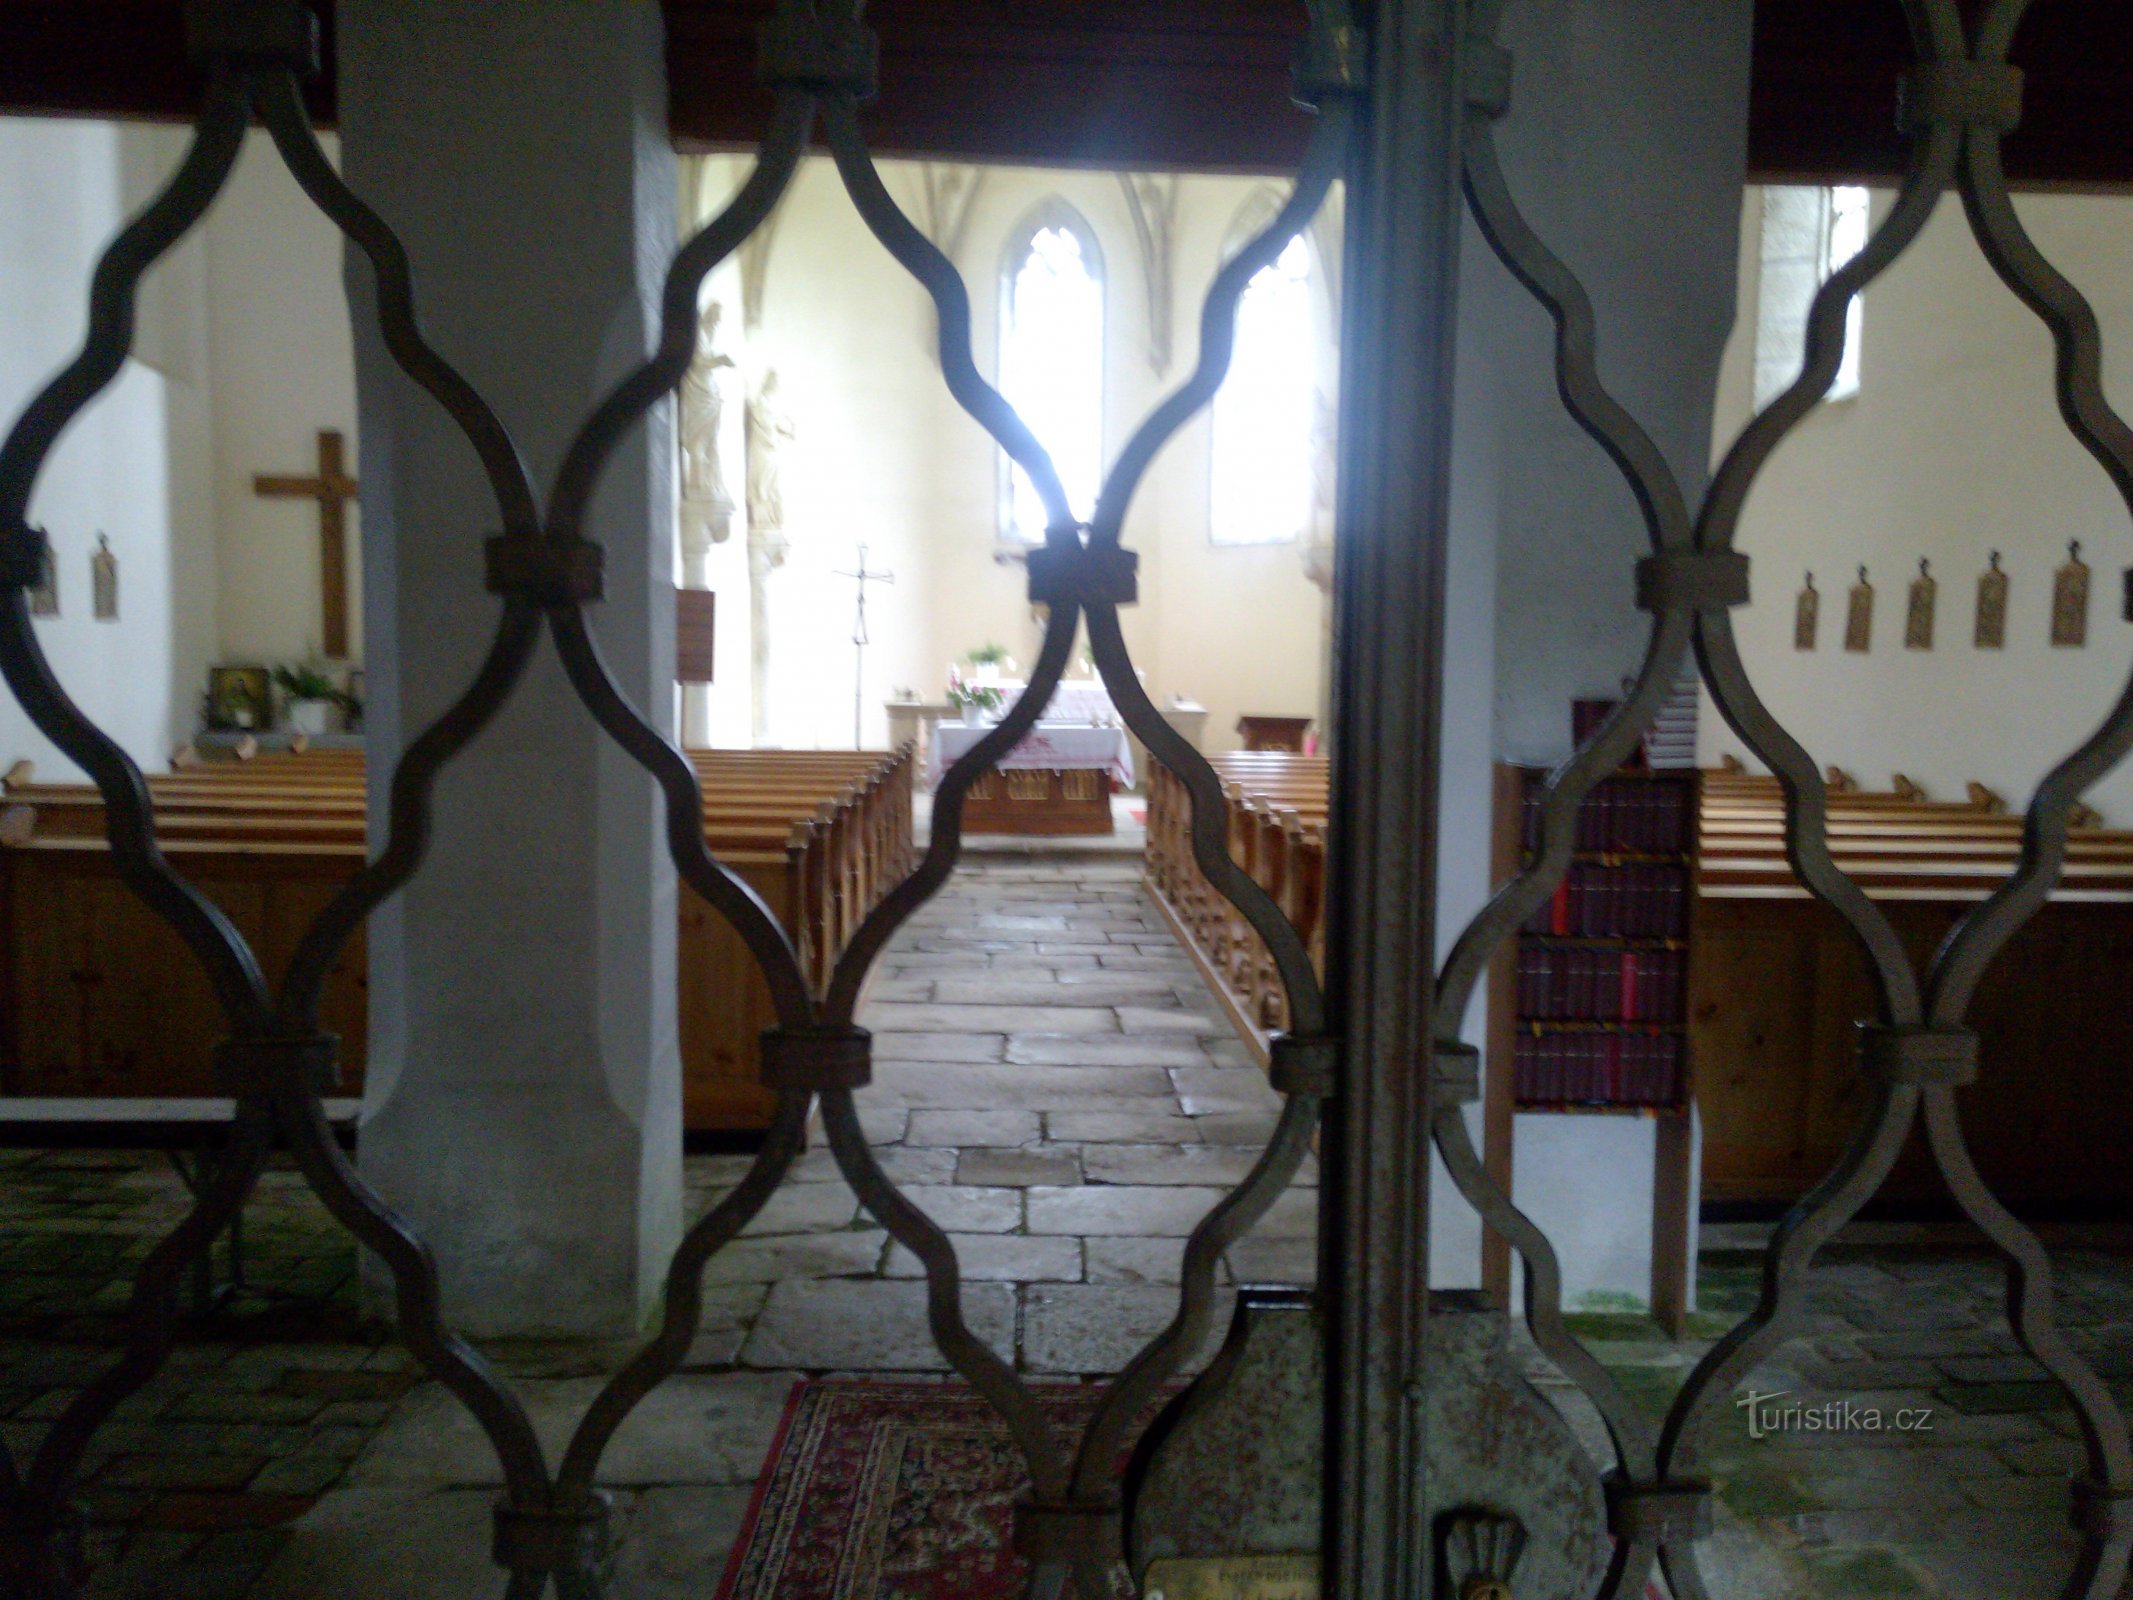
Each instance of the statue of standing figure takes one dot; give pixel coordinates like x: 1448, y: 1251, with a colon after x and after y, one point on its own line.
x: 769, y: 428
x: 706, y: 503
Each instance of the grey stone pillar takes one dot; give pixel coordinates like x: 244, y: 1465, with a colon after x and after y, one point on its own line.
x: 523, y: 1105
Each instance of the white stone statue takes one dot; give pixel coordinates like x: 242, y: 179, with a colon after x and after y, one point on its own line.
x: 768, y: 428
x: 706, y: 503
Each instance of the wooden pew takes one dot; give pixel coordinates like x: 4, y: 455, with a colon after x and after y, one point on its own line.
x: 820, y: 836
x: 1777, y: 986
x: 1274, y: 807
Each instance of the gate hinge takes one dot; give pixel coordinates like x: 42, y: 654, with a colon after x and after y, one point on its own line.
x: 1967, y: 94
x: 1304, y: 1064
x: 830, y: 55
x: 1659, y: 1512
x: 1919, y: 1057
x: 1701, y: 580
x: 254, y: 1065
x: 547, y: 572
x: 1083, y: 575
x: 1455, y: 1075
x: 254, y: 33
x: 580, y: 1540
x: 818, y: 1060
x: 1334, y: 60
x: 1069, y: 1531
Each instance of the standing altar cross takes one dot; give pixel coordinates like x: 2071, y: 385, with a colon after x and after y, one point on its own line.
x: 332, y: 488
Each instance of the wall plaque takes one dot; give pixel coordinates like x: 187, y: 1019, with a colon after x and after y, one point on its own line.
x: 1992, y: 606
x: 1859, y: 616
x: 2070, y: 601
x: 1806, y: 616
x: 1918, y: 617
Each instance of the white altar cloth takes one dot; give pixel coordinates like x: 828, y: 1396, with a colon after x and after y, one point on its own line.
x: 1049, y: 744
x: 1082, y: 700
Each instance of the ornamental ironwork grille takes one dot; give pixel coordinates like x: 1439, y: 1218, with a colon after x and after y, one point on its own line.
x: 1406, y: 96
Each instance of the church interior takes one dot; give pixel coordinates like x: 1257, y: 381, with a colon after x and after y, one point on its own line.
x: 1077, y: 891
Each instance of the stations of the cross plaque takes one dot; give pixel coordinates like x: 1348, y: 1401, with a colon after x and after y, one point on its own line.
x: 332, y: 488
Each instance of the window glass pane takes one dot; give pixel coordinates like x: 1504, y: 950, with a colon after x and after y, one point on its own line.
x: 1847, y: 237
x: 1051, y: 369
x: 1264, y: 412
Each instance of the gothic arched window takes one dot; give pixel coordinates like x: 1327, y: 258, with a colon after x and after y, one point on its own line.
x: 1052, y: 361
x: 1266, y: 413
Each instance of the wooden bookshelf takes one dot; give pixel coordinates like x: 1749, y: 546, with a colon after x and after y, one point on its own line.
x: 1589, y: 1008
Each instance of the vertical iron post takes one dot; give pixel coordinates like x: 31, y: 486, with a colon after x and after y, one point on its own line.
x: 1398, y: 341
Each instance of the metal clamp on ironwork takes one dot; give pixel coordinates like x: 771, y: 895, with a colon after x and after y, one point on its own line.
x: 1488, y: 78
x: 578, y: 1540
x: 1967, y: 94
x: 1304, y: 1065
x: 254, y: 33
x: 816, y: 1060
x: 1656, y: 1511
x: 1925, y: 1058
x: 259, y: 1065
x: 548, y: 572
x: 1454, y: 1075
x: 1083, y: 575
x: 2101, y: 1513
x: 1333, y: 60
x: 1070, y: 1532
x: 21, y: 557
x: 797, y: 49
x: 1700, y: 580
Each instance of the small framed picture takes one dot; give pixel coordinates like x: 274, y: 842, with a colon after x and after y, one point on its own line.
x: 238, y: 699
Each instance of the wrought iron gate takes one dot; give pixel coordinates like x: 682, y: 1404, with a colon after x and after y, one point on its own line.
x: 1406, y: 94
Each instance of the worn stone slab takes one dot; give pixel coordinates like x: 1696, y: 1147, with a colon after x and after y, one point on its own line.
x: 1040, y: 1047
x: 694, y: 1428
x: 958, y: 1208
x: 874, y: 1325
x: 1203, y: 1089
x: 992, y: 1129
x: 844, y: 1254
x: 805, y: 1208
x: 903, y: 1164
x: 976, y: 1047
x: 1142, y: 1019
x: 728, y: 1312
x: 1049, y: 994
x: 1260, y: 1258
x: 989, y: 1019
x: 1122, y: 1260
x: 675, y: 1542
x: 1236, y: 1127
x: 931, y: 1086
x: 1000, y: 1258
x: 1098, y: 1328
x: 1224, y: 1165
x: 1159, y: 1123
x: 1018, y: 1169
x: 1147, y: 1212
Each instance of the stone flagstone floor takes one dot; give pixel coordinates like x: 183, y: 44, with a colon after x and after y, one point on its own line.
x: 1057, y: 1090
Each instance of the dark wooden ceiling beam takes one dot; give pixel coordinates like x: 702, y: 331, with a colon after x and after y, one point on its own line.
x: 1190, y: 83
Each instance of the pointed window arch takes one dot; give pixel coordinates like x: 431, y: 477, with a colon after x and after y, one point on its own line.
x: 1051, y: 363
x: 1267, y: 416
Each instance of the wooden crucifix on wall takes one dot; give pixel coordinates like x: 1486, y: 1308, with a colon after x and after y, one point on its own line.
x: 332, y: 488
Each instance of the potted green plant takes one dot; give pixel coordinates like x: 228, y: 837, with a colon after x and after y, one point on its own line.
x: 990, y: 662
x: 313, y: 698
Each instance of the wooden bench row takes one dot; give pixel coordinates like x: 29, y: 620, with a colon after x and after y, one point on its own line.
x: 1897, y: 845
x: 1275, y: 821
x: 101, y: 998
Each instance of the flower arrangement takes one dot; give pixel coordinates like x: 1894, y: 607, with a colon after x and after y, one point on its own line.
x: 982, y: 699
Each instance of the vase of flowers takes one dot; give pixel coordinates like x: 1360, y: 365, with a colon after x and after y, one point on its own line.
x: 990, y: 662
x: 978, y: 704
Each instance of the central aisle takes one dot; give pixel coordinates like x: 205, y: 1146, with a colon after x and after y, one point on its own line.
x: 1056, y: 1088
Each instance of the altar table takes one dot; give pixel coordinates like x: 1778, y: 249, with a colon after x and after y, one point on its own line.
x: 1058, y: 780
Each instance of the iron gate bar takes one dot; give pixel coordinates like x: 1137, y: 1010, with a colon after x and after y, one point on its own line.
x: 1391, y: 533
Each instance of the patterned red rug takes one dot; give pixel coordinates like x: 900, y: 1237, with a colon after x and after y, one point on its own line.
x: 891, y: 1491
x: 894, y: 1490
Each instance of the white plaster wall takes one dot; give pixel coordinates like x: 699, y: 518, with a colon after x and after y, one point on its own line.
x: 1953, y: 448
x: 284, y: 369
x: 132, y: 466
x: 883, y: 455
